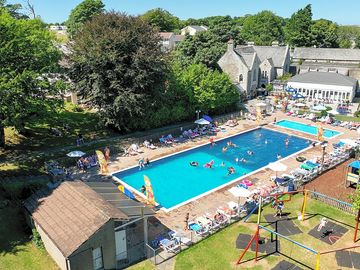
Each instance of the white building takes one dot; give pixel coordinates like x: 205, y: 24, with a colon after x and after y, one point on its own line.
x: 193, y: 29
x: 168, y: 41
x: 324, y: 85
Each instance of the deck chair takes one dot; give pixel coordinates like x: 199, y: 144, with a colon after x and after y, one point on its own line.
x: 198, y: 229
x: 169, y: 245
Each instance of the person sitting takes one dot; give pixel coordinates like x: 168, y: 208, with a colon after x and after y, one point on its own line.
x: 147, y: 162
x: 194, y: 163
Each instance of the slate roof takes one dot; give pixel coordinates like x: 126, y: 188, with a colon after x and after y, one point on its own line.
x: 179, y: 38
x: 276, y: 54
x: 165, y: 35
x: 71, y: 213
x: 327, y: 78
x: 334, y: 54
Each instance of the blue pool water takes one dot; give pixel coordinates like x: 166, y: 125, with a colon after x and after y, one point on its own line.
x: 306, y: 128
x: 174, y: 181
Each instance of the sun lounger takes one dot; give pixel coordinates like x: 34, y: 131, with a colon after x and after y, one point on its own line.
x: 169, y: 245
x: 227, y: 212
x: 179, y: 238
x: 198, y: 229
x: 205, y: 222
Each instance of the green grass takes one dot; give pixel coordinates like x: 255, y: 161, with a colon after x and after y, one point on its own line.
x: 144, y: 265
x: 347, y: 118
x: 17, y: 252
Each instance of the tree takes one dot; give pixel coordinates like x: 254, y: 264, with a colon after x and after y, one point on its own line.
x: 203, y: 48
x: 13, y: 9
x: 162, y: 19
x: 210, y: 90
x: 298, y: 28
x: 117, y: 66
x: 83, y: 13
x: 324, y: 34
x: 262, y: 28
x: 347, y: 34
x: 26, y: 53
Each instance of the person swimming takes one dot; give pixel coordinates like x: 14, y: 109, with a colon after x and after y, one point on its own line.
x: 209, y: 165
x: 222, y: 164
x: 212, y: 142
x: 237, y: 160
x: 194, y: 163
x: 250, y: 153
x: 287, y: 142
x: 231, y: 170
x: 266, y: 142
x: 278, y: 156
x: 243, y: 160
x: 224, y: 149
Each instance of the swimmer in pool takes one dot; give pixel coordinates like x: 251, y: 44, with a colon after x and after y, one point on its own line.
x: 287, y: 142
x: 194, y: 163
x: 231, y: 170
x: 224, y: 149
x: 222, y: 164
x: 266, y: 142
x: 278, y: 156
x: 243, y: 160
x: 237, y: 160
x: 250, y: 153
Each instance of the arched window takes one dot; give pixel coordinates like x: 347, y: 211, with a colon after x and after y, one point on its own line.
x: 241, y: 78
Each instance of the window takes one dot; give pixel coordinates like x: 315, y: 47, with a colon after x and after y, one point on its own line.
x: 254, y: 75
x: 97, y: 259
x: 241, y: 78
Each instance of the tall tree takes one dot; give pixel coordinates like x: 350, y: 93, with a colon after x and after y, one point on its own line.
x: 13, y: 9
x: 162, y: 19
x: 298, y: 28
x: 83, y: 13
x: 262, y: 28
x: 324, y: 34
x: 26, y: 53
x: 117, y: 66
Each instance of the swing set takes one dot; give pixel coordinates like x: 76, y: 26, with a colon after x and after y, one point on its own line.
x: 277, y: 198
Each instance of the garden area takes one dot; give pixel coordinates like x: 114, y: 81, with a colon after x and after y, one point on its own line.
x: 222, y: 250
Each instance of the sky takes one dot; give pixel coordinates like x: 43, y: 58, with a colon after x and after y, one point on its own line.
x: 340, y: 11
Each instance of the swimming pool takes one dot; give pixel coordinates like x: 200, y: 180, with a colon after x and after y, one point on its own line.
x: 313, y: 130
x: 175, y: 182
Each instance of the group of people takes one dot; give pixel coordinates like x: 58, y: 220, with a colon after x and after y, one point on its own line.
x: 85, y: 163
x: 210, y: 165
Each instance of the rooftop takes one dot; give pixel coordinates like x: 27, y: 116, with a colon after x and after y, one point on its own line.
x: 327, y: 78
x: 71, y: 213
x: 334, y: 54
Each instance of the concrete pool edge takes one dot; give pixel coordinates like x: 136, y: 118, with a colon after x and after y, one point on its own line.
x: 328, y: 138
x: 167, y: 210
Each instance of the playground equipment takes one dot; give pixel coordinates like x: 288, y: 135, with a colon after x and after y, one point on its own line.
x: 352, y: 176
x: 276, y: 198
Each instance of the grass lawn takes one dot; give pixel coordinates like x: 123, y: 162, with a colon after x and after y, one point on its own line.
x: 347, y: 118
x: 144, y: 265
x: 17, y: 252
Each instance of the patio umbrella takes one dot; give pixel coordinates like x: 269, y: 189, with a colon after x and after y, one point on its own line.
x: 76, y: 154
x: 319, y: 108
x: 291, y: 90
x: 277, y: 167
x: 207, y: 118
x: 297, y: 96
x: 239, y: 192
x: 202, y: 121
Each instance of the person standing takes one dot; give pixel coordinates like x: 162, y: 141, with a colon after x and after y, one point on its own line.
x: 107, y: 154
x: 186, y: 221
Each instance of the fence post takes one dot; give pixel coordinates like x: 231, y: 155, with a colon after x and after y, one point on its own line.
x: 317, y: 266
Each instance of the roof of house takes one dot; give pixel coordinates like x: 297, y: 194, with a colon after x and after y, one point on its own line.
x: 335, y: 54
x: 276, y: 54
x: 198, y: 27
x: 71, y: 213
x: 109, y: 192
x: 326, y: 78
x: 247, y: 54
x: 165, y: 35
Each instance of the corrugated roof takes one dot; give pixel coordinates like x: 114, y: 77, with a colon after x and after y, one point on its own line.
x: 334, y: 54
x: 327, y: 78
x: 70, y: 214
x: 109, y: 192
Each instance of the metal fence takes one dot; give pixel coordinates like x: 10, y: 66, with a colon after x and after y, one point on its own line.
x: 343, y: 206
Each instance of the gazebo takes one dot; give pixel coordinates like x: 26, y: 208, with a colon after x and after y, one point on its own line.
x: 352, y: 176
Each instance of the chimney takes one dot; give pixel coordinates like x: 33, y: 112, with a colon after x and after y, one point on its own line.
x: 230, y: 45
x: 250, y: 43
x: 275, y: 43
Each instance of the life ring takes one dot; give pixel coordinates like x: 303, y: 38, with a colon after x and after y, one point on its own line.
x: 247, y: 182
x: 300, y: 159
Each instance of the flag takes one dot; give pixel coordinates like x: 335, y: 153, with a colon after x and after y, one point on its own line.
x: 102, y: 161
x: 149, y: 191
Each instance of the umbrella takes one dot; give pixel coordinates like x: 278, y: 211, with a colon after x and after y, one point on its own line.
x: 300, y: 104
x: 319, y: 108
x: 207, y: 118
x: 239, y: 192
x: 350, y: 142
x: 297, y: 95
x: 291, y: 90
x: 202, y: 121
x: 76, y: 154
x: 277, y: 167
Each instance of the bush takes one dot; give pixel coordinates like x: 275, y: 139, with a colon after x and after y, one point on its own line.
x: 323, y: 113
x: 21, y: 190
x: 328, y: 108
x: 36, y: 238
x: 357, y: 114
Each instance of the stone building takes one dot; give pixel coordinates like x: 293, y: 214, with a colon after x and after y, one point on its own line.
x: 252, y: 67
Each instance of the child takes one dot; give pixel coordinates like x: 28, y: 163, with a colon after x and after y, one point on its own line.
x: 322, y: 224
x: 279, y: 209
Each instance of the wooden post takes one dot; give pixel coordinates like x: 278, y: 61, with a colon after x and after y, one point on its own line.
x: 356, y: 226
